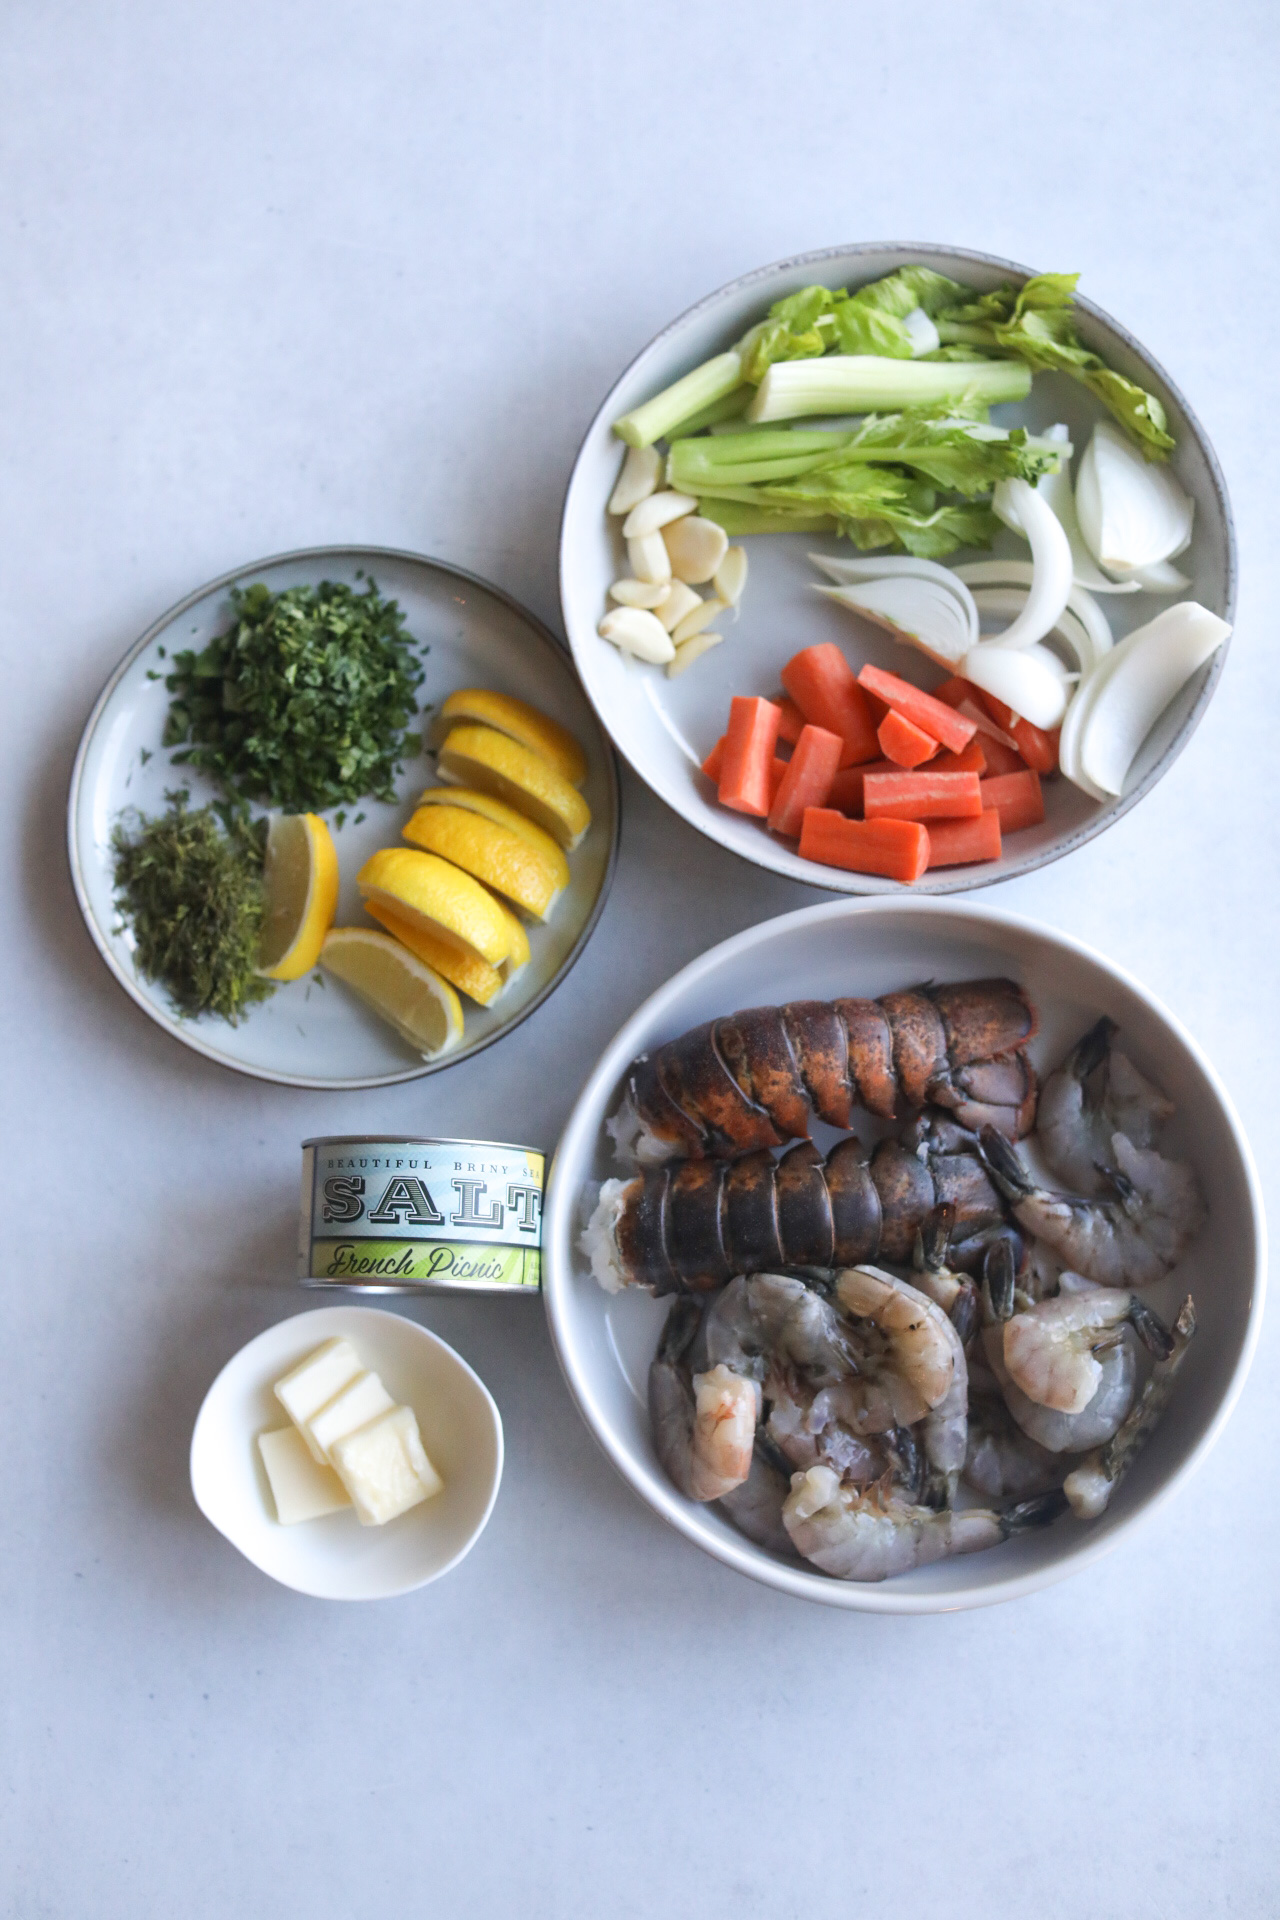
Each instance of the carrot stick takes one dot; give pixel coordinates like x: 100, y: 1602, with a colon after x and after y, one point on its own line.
x: 1016, y: 797
x: 898, y: 849
x: 748, y: 755
x: 970, y: 759
x: 931, y: 716
x: 714, y: 761
x: 792, y: 723
x: 1038, y: 748
x: 962, y: 843
x: 822, y: 684
x: 846, y: 788
x: 1001, y: 759
x: 903, y: 742
x: 921, y: 796
x: 954, y: 690
x: 807, y: 781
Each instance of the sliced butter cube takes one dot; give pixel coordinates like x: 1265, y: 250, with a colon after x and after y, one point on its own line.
x: 384, y: 1468
x: 313, y: 1383
x: 359, y: 1403
x: 300, y: 1487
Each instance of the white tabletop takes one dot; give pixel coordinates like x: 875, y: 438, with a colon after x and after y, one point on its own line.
x: 281, y: 276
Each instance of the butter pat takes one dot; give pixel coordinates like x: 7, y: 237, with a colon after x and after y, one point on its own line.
x: 300, y: 1487
x: 384, y: 1468
x: 363, y: 1400
x: 314, y: 1383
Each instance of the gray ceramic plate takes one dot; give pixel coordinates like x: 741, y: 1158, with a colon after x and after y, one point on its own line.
x: 666, y: 727
x: 319, y: 1035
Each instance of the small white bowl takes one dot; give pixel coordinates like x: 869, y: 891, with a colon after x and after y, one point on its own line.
x: 665, y: 728
x: 605, y: 1343
x: 336, y: 1558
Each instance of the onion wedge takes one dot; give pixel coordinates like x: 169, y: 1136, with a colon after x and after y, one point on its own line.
x: 1015, y: 676
x: 1136, y: 683
x: 1005, y: 603
x: 917, y: 600
x: 1132, y: 514
x: 989, y: 575
x: 1056, y: 489
x: 1021, y: 507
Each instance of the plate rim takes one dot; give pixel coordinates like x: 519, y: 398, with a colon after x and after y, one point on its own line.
x: 952, y: 880
x: 189, y: 1038
x: 741, y: 1556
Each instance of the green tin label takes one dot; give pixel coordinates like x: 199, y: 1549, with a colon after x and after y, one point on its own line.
x: 454, y: 1215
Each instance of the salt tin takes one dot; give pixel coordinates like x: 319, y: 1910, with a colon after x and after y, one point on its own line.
x: 383, y: 1215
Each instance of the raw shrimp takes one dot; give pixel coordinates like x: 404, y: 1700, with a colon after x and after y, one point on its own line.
x: 766, y: 1319
x: 954, y: 1292
x: 755, y: 1507
x: 1003, y: 1462
x: 1129, y: 1241
x: 1076, y: 1122
x: 867, y: 1535
x: 916, y: 1362
x: 751, y: 1079
x: 1090, y: 1486
x: 704, y: 1424
x: 1050, y: 1351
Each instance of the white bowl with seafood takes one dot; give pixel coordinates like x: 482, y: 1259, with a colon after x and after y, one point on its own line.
x: 665, y: 726
x: 607, y: 1341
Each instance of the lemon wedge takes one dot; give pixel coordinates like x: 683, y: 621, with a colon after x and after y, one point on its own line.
x: 491, y: 808
x: 300, y: 880
x: 524, y: 723
x: 469, y: 973
x: 518, y: 953
x: 481, y: 757
x: 411, y: 996
x: 432, y: 894
x: 502, y: 859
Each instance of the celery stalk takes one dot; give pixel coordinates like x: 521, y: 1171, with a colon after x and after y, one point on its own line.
x: 712, y: 381
x: 862, y: 383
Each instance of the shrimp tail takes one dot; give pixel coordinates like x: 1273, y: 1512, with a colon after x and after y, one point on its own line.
x: 1041, y: 1511
x: 1004, y: 1165
x: 1151, y: 1329
x: 1091, y: 1049
x: 753, y: 1079
x: 1090, y: 1485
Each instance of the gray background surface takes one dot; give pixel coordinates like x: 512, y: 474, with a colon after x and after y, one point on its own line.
x: 279, y: 276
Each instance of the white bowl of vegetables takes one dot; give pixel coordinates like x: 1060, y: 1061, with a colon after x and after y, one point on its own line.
x: 898, y: 565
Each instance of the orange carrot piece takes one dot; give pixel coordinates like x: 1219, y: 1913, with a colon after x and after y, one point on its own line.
x: 1016, y: 797
x: 1038, y: 748
x: 777, y: 774
x: 792, y: 724
x: 898, y: 849
x: 714, y: 761
x: 932, y: 716
x: 970, y: 759
x: 962, y: 843
x: 824, y: 687
x: 1001, y: 759
x: 748, y: 755
x: 903, y: 742
x: 921, y: 796
x: 807, y: 781
x: 846, y: 788
x: 953, y: 691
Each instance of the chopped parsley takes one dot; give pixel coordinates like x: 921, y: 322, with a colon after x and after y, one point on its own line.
x: 304, y: 702
x: 190, y: 885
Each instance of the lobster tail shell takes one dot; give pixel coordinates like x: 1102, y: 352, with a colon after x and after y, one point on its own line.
x: 695, y: 1078
x: 756, y: 1050
x: 804, y: 1208
x: 870, y: 1055
x: 641, y: 1233
x: 660, y: 1114
x: 855, y: 1205
x: 907, y: 1196
x: 751, y: 1215
x: 820, y: 1043
x: 695, y: 1243
x: 984, y: 1018
x: 919, y: 1044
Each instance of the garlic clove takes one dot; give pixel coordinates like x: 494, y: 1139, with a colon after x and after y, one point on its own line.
x: 731, y: 576
x: 634, y: 630
x: 640, y: 476
x: 698, y: 620
x: 641, y: 593
x: 680, y: 601
x: 692, y: 650
x: 659, y: 510
x: 649, y: 559
x: 695, y: 547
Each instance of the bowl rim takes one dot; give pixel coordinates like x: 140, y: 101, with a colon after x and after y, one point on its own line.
x: 559, y: 1233
x: 952, y: 880
x: 185, y: 1032
x: 413, y: 1330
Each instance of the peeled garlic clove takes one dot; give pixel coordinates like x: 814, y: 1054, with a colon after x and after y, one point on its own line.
x: 640, y: 476
x: 649, y: 559
x: 692, y: 650
x: 641, y: 593
x: 731, y: 576
x: 633, y: 630
x: 1027, y: 685
x: 680, y: 600
x: 696, y: 547
x: 697, y: 621
x: 659, y: 510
